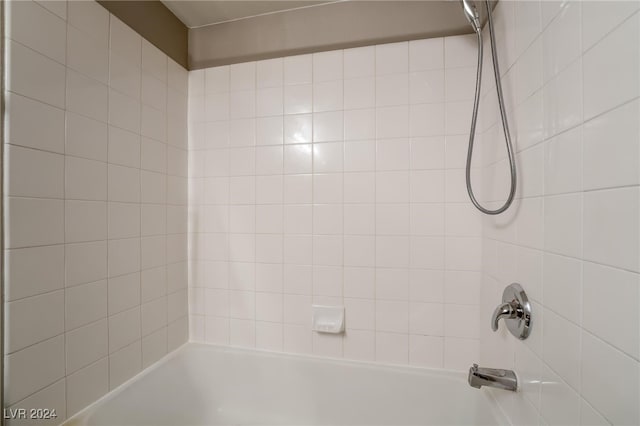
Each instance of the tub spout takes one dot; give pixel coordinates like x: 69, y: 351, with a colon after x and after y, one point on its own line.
x: 492, y: 377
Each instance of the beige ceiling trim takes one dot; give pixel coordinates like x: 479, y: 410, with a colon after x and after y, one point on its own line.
x: 195, y: 13
x: 156, y: 23
x: 330, y: 26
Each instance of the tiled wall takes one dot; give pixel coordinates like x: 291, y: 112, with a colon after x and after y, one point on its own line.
x: 337, y: 178
x: 572, y: 79
x: 96, y: 187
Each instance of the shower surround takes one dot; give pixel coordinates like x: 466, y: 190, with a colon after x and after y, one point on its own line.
x: 337, y: 178
x: 331, y: 178
x: 571, y: 75
x: 96, y: 205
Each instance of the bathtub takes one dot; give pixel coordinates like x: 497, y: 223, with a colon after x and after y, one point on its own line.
x: 203, y: 384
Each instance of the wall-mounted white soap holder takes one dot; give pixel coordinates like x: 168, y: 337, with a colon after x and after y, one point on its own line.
x: 328, y: 319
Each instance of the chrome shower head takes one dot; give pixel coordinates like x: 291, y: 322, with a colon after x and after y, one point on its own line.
x: 471, y: 14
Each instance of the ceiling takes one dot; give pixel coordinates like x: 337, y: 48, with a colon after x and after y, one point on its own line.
x: 199, y: 13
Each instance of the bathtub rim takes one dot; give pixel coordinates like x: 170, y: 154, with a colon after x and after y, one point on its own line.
x: 81, y: 416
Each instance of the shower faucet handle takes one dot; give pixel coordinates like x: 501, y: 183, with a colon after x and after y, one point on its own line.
x: 515, y: 310
x: 506, y: 311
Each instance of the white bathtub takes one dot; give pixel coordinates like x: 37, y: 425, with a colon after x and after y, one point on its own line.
x: 210, y: 385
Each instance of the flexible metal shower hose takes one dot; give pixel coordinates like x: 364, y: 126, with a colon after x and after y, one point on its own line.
x: 503, y: 114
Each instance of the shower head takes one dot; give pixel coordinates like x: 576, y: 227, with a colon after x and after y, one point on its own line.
x: 471, y: 14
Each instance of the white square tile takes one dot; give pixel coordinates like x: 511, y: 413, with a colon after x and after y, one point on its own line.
x: 48, y: 39
x: 86, y: 137
x: 392, y: 122
x: 49, y: 135
x: 85, y: 304
x: 215, y: 80
x: 87, y: 56
x: 427, y: 54
x: 460, y: 51
x: 243, y: 76
x: 154, y: 61
x: 269, y: 101
x: 123, y: 220
x: 328, y: 126
x: 617, y: 408
x: 359, y: 124
x: 359, y: 156
x: 392, y: 251
x: 270, y: 73
x: 269, y: 160
x: 563, y: 100
x: 359, y: 93
x: 618, y: 58
x: 298, y: 219
x: 123, y: 184
x: 298, y: 128
x: 124, y: 112
x: 85, y: 179
x: 124, y: 364
x: 328, y: 96
x: 427, y: 219
x: 298, y: 159
x: 561, y: 347
x: 298, y: 69
x: 269, y: 336
x: 25, y: 279
x: 359, y: 62
x: 392, y: 348
x: 124, y: 329
x: 35, y: 76
x: 599, y: 18
x: 562, y: 39
x: 426, y: 351
x: 392, y: 187
x: 34, y: 173
x: 124, y: 256
x: 392, y: 90
x: 87, y: 385
x: 153, y: 316
x: 269, y: 131
x: 86, y: 345
x: 605, y: 167
x: 563, y: 225
x: 88, y: 97
x: 359, y: 345
x: 33, y: 222
x: 25, y: 329
x: 359, y: 250
x: 459, y: 353
x: 327, y: 188
x: 154, y: 347
x: 611, y: 226
x: 154, y: 91
x: 392, y: 58
x: 428, y: 86
x: 298, y: 99
x: 596, y: 298
x: 327, y: 66
x: 85, y: 262
x: 426, y: 319
x: 328, y: 157
x: 125, y: 41
x: 47, y: 357
x: 559, y: 404
x: 562, y: 279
